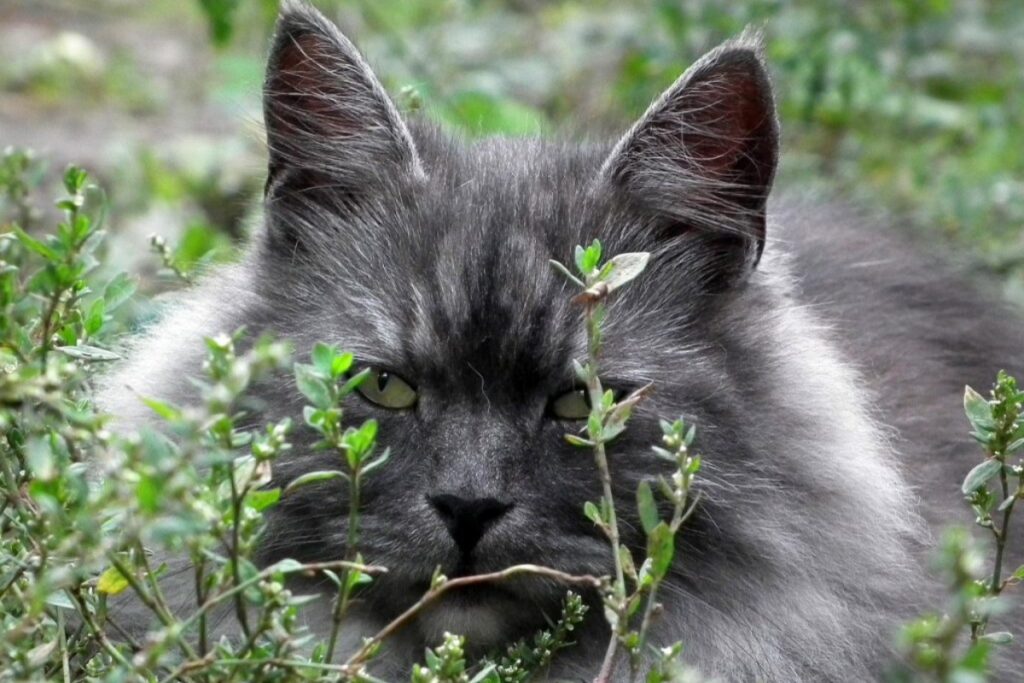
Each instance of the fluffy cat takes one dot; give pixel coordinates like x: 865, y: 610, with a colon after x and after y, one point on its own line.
x: 822, y: 360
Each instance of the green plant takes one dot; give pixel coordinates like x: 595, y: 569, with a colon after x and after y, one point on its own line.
x: 92, y: 521
x: 632, y: 590
x: 956, y: 645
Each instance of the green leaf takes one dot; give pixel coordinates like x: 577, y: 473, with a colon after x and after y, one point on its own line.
x: 40, y: 458
x: 359, y: 442
x: 147, y: 493
x: 354, y: 381
x: 312, y: 386
x: 592, y: 513
x: 978, y: 410
x: 35, y: 245
x: 980, y: 475
x: 377, y: 462
x: 313, y: 478
x: 565, y: 272
x: 164, y: 410
x: 647, y: 507
x: 74, y: 179
x: 488, y: 674
x: 111, y: 582
x: 89, y: 353
x: 578, y: 441
x: 94, y: 318
x: 627, y: 268
x: 118, y: 290
x: 998, y: 637
x: 578, y: 256
x: 263, y: 499
x: 660, y: 548
x: 60, y: 600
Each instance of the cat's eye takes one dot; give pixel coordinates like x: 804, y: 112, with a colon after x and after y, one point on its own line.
x: 572, y: 405
x: 387, y: 390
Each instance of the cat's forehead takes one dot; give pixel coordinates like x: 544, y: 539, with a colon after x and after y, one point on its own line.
x: 489, y: 224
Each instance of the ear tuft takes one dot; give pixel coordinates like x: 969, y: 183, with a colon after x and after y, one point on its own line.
x: 704, y: 154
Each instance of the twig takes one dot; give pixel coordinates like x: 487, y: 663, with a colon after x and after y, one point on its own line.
x: 354, y: 664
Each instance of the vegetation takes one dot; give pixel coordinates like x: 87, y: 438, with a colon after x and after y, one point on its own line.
x: 86, y: 516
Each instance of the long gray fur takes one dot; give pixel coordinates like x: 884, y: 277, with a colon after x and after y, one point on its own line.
x: 825, y: 381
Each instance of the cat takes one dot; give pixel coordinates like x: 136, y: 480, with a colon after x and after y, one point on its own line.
x: 821, y: 358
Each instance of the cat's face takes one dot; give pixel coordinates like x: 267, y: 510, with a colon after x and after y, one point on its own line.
x: 429, y: 259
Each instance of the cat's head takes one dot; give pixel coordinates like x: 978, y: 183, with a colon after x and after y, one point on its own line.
x: 428, y: 257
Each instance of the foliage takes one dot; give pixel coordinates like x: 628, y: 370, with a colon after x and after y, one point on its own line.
x: 955, y: 646
x: 93, y: 521
x: 632, y: 590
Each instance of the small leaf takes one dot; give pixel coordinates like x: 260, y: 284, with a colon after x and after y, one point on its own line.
x: 94, y: 318
x: 118, y: 290
x: 998, y: 638
x: 111, y: 582
x: 354, y: 381
x: 288, y: 566
x: 627, y: 268
x: 164, y: 410
x: 591, y: 257
x: 147, y: 493
x: 978, y: 410
x: 89, y: 353
x: 60, y: 600
x: 565, y: 272
x: 263, y: 499
x: 35, y: 245
x: 980, y: 475
x: 594, y: 515
x: 323, y: 357
x: 660, y: 548
x: 578, y: 441
x: 312, y: 385
x: 39, y: 656
x: 647, y: 507
x: 313, y: 478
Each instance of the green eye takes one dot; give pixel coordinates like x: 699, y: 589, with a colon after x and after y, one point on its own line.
x: 387, y: 390
x: 572, y: 405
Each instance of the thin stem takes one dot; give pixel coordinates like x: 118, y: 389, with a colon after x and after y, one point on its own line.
x: 354, y: 663
x: 236, y: 576
x: 143, y: 594
x: 341, y: 604
x: 996, y: 586
x: 200, y: 571
x: 99, y: 634
x: 596, y: 391
x: 309, y: 568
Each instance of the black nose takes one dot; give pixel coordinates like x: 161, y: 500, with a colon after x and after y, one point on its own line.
x: 468, y: 519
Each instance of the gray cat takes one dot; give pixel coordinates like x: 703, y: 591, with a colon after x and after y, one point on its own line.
x: 822, y: 360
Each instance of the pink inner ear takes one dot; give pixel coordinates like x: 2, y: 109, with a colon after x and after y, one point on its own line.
x: 722, y: 121
x: 310, y: 91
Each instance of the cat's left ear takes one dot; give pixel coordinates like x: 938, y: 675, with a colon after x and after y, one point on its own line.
x: 325, y: 112
x: 703, y: 156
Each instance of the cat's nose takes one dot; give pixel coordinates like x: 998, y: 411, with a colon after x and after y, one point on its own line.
x: 468, y: 519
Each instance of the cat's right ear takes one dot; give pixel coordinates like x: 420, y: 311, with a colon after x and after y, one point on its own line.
x: 703, y: 157
x: 329, y: 121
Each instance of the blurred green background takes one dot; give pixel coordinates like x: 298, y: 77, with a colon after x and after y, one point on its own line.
x: 913, y: 106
